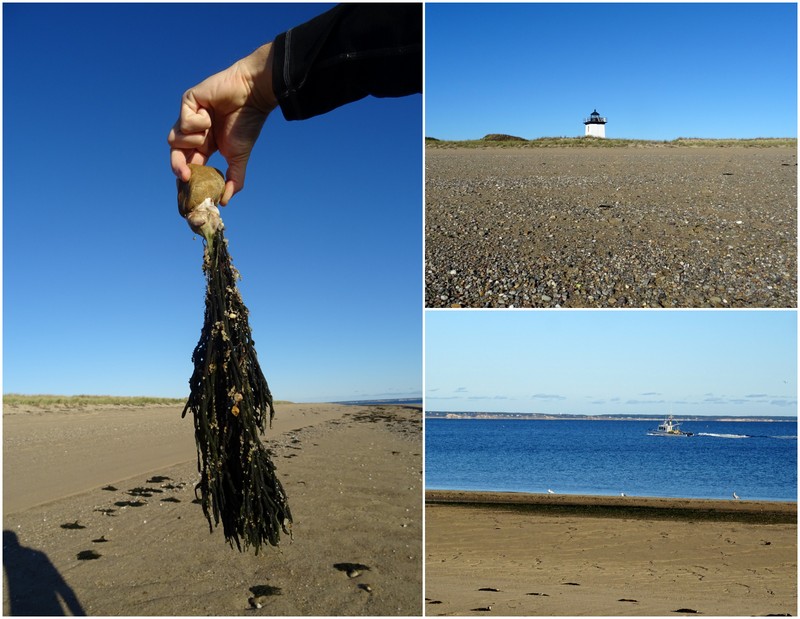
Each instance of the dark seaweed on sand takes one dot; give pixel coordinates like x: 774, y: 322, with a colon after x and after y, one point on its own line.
x: 230, y: 401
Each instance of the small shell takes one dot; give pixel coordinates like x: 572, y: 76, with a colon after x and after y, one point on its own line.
x: 353, y: 573
x: 235, y: 410
x: 257, y: 602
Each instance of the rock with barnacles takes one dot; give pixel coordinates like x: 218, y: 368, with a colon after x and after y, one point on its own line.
x: 198, y: 199
x: 229, y: 397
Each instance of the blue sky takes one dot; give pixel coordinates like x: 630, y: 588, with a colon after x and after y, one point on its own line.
x: 102, y: 281
x: 656, y: 71
x: 604, y: 362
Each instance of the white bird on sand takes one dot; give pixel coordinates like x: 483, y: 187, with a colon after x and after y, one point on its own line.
x: 550, y: 491
x: 735, y: 496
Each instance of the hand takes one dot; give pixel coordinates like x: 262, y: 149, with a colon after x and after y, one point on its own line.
x: 224, y: 112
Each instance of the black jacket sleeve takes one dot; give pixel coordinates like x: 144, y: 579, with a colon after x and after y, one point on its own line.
x: 345, y: 54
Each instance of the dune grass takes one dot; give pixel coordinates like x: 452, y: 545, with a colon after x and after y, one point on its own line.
x: 74, y: 401
x: 495, y: 140
x: 78, y: 401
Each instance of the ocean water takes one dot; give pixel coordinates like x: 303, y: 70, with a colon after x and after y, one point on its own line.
x: 757, y: 460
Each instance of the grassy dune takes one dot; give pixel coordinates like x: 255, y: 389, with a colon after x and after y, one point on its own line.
x: 495, y: 140
x: 74, y: 401
x: 78, y: 401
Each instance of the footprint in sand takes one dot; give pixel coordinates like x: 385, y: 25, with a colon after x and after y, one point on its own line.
x: 179, y: 486
x: 544, y: 595
x: 100, y: 540
x: 72, y: 525
x: 144, y: 492
x: 157, y: 479
x: 488, y: 589
x: 110, y: 488
x: 690, y: 611
x: 88, y: 555
x: 628, y: 600
x: 484, y: 609
x: 261, y: 593
x: 352, y: 570
x: 130, y: 503
x: 106, y: 511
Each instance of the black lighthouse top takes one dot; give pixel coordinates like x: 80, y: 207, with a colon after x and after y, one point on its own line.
x: 595, y: 119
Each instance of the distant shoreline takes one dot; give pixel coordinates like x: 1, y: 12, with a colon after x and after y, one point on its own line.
x: 413, y: 402
x: 569, y: 417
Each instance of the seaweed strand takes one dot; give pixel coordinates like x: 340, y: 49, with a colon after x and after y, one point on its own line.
x: 229, y: 399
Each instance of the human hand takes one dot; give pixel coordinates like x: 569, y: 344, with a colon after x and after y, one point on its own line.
x: 224, y: 113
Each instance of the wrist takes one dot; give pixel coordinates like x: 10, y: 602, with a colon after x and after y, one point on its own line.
x: 257, y: 70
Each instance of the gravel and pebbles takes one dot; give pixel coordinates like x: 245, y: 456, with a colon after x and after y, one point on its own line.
x: 611, y: 227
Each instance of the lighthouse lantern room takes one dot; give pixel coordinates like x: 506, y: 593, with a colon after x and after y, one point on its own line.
x: 595, y: 125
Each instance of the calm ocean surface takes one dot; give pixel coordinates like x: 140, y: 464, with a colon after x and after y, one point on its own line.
x: 757, y: 460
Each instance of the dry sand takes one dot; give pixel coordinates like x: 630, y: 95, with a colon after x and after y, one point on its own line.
x: 517, y: 554
x: 611, y: 227
x: 352, y: 475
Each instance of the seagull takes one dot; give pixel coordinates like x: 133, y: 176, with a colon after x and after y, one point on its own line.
x: 622, y: 494
x: 735, y: 496
x: 550, y: 491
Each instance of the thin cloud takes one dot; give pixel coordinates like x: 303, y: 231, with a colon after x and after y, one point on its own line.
x: 547, y: 396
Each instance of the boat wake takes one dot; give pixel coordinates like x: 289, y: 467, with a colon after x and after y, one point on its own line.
x: 741, y: 435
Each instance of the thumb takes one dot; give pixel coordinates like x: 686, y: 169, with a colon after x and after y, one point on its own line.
x: 234, y: 180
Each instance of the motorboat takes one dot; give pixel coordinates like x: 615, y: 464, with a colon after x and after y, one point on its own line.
x: 669, y: 427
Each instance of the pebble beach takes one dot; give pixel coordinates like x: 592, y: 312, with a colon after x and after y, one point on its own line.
x: 645, y: 226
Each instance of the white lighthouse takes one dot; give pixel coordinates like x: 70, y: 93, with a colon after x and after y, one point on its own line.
x: 595, y: 125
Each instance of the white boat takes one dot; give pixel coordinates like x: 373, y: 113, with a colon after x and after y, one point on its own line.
x: 670, y: 427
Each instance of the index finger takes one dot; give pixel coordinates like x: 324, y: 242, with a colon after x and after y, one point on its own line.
x: 193, y: 118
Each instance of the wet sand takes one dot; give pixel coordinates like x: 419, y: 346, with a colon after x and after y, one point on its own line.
x: 518, y: 554
x: 98, y: 516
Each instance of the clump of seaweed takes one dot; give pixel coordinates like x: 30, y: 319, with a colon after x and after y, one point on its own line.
x: 231, y: 401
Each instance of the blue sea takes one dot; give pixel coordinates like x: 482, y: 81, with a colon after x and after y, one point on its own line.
x: 757, y: 460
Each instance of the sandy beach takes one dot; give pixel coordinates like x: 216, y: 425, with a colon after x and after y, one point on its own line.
x: 99, y: 519
x: 646, y: 226
x: 519, y: 554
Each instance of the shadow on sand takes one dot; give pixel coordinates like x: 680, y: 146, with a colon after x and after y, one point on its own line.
x: 34, y: 585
